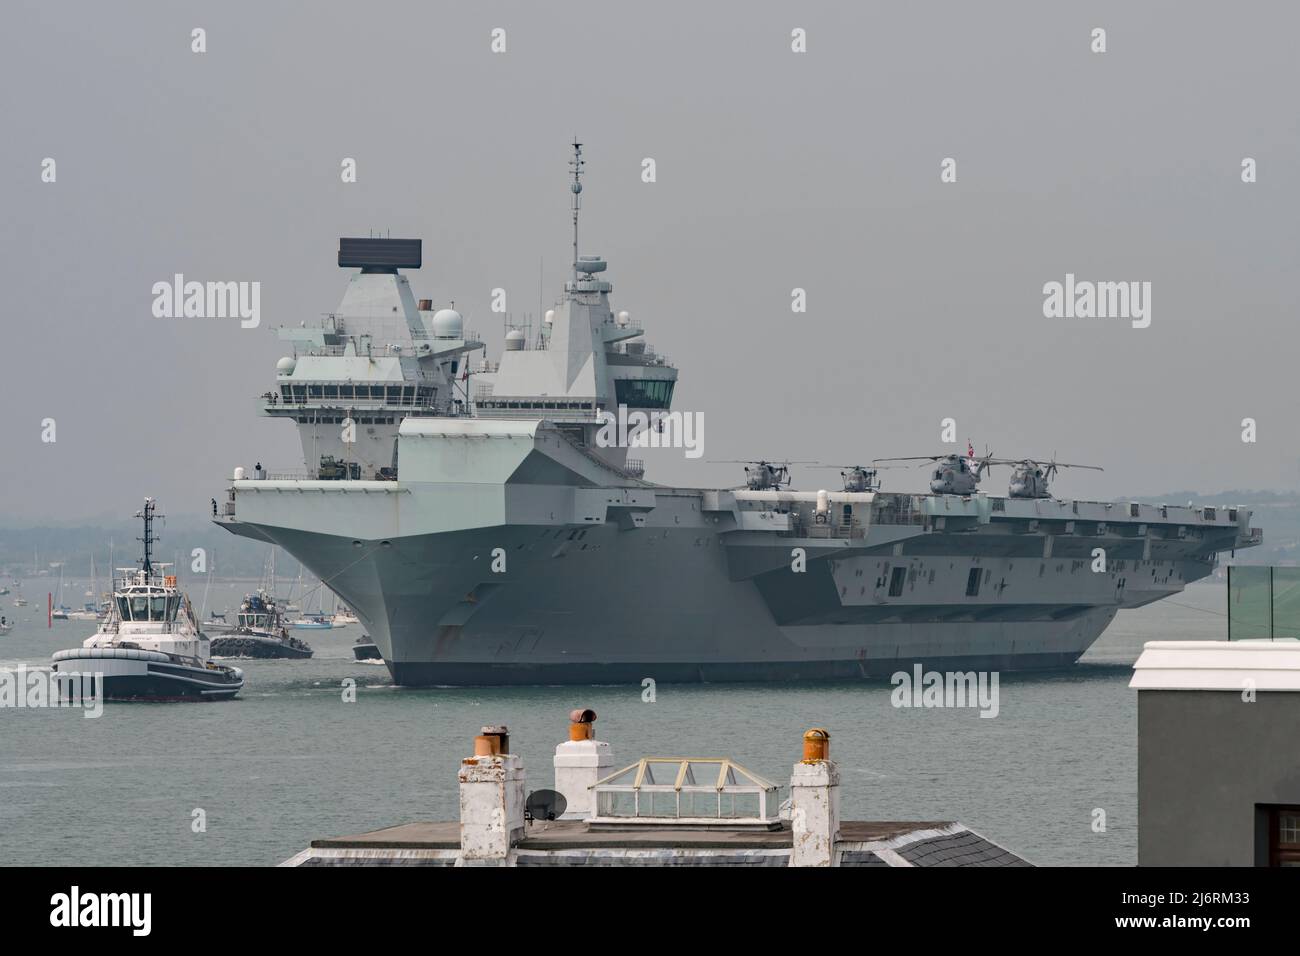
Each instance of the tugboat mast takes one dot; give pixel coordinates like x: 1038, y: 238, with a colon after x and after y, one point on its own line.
x: 149, y: 537
x: 576, y: 165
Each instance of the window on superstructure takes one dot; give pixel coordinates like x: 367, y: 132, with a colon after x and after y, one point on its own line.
x: 331, y: 391
x: 124, y: 608
x: 973, y: 582
x: 139, y: 608
x: 158, y: 608
x: 643, y: 393
x: 896, y: 578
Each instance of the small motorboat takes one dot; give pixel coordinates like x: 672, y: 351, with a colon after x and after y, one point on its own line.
x: 317, y: 622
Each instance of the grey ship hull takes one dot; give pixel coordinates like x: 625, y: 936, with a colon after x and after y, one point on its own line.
x: 583, y: 616
x: 606, y: 583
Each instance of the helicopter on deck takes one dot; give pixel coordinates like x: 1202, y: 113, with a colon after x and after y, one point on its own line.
x: 763, y: 475
x: 960, y: 474
x: 1030, y: 478
x: 858, y: 478
x: 953, y: 474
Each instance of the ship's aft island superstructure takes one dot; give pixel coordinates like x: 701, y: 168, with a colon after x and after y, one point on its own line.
x: 484, y: 535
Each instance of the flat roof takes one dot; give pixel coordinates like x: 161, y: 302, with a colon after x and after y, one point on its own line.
x: 576, y: 834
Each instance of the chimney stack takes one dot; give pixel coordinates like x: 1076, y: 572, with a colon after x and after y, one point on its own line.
x: 491, y: 801
x: 579, y: 762
x: 815, y: 802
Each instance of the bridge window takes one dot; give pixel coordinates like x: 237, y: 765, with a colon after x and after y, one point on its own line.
x: 973, y: 583
x: 644, y: 392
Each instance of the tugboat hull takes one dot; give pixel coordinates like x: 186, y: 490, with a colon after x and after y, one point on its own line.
x: 267, y: 648
x: 130, y: 674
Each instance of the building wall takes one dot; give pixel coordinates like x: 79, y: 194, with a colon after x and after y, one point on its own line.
x: 1206, y: 761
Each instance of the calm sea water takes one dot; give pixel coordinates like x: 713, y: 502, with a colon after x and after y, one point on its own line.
x: 290, y: 761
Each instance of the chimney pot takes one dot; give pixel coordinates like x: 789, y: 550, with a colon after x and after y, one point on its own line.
x: 816, y: 745
x: 502, y: 733
x: 582, y: 725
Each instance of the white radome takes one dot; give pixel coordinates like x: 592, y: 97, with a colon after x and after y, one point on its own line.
x: 624, y: 317
x: 514, y: 340
x: 448, y: 324
x: 285, y: 366
x: 549, y: 317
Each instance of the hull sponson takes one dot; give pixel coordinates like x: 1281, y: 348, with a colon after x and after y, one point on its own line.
x: 609, y: 579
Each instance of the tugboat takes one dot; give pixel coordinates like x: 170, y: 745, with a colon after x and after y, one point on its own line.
x: 150, y: 647
x: 260, y: 632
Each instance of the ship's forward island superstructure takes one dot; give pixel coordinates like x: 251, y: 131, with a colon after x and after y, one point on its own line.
x: 483, y: 535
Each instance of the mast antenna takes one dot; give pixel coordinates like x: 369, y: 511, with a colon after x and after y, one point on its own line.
x: 576, y: 165
x: 147, y: 513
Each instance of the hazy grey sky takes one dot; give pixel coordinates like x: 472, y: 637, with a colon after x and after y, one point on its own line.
x: 775, y: 170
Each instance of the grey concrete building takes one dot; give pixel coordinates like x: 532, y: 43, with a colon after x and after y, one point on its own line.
x: 1218, y: 753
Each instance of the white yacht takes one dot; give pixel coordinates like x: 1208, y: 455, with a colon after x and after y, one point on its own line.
x: 150, y: 647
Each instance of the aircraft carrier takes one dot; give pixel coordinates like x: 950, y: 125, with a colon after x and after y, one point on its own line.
x: 469, y: 514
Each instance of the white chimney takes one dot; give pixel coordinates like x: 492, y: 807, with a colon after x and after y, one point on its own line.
x: 815, y: 803
x: 491, y: 801
x: 579, y: 762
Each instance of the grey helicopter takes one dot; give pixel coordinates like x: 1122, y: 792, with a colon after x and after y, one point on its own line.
x: 763, y: 475
x: 1030, y: 478
x: 953, y: 474
x: 858, y: 477
x: 960, y: 474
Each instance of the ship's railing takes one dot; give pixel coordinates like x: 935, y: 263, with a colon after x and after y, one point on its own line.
x: 647, y: 358
x: 272, y: 400
x: 896, y: 510
x: 803, y: 529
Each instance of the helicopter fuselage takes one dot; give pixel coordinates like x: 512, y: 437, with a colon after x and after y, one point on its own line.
x: 953, y: 476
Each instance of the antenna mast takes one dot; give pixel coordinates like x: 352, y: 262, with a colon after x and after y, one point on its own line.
x: 576, y: 165
x: 149, y: 537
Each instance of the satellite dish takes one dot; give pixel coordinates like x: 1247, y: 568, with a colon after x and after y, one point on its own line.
x: 545, y: 805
